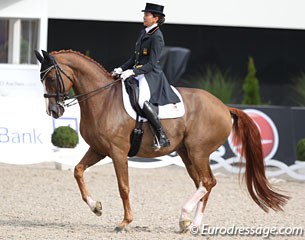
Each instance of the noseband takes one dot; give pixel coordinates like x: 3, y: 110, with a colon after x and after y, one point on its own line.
x: 61, y: 94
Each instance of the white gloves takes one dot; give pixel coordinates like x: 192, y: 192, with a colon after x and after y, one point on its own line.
x: 126, y: 74
x: 117, y: 72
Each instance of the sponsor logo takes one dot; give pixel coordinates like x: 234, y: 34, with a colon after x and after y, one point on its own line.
x: 66, y: 121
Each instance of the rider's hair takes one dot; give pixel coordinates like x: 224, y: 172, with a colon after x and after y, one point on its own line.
x: 161, y: 19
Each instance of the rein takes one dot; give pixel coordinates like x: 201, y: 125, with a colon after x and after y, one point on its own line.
x: 61, y: 95
x: 93, y: 92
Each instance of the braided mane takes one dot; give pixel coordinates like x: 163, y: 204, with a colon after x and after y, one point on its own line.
x: 82, y: 55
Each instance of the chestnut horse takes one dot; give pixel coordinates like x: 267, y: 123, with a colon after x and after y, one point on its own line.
x: 106, y: 127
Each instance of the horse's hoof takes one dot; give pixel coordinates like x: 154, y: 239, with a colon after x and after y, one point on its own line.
x: 185, y: 225
x: 98, y: 209
x: 119, y: 229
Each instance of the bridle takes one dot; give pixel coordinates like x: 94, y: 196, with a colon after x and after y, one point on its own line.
x: 61, y: 94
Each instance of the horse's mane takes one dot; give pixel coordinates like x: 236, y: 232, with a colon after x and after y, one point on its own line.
x: 84, y: 56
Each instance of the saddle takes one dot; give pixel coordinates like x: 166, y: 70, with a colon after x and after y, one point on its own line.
x: 132, y: 88
x: 131, y: 105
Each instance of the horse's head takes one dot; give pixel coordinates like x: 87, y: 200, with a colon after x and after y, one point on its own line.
x: 56, y: 82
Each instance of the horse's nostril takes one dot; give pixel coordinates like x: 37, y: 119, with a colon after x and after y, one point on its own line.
x: 54, y: 111
x: 55, y: 114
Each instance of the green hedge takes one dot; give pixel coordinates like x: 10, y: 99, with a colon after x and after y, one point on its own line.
x: 64, y: 137
x: 217, y: 82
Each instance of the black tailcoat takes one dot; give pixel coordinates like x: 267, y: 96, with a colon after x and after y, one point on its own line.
x: 146, y: 60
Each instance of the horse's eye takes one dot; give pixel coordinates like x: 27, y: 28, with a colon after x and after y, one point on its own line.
x: 51, y: 78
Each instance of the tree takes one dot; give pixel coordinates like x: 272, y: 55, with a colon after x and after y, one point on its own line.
x: 251, y: 86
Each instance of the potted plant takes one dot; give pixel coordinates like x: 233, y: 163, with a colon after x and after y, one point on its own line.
x: 64, y: 138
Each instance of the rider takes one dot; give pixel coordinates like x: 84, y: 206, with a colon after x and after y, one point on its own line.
x: 144, y: 65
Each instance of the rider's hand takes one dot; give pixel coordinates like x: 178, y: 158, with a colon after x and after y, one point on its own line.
x: 126, y: 74
x: 117, y: 72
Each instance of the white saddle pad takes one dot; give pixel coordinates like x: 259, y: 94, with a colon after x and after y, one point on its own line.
x: 165, y: 112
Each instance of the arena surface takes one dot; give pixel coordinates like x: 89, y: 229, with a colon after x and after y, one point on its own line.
x: 40, y: 202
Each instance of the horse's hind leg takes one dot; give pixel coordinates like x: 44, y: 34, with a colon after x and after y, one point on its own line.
x: 185, y: 221
x: 207, y: 179
x: 182, y: 152
x: 200, y: 171
x: 88, y: 160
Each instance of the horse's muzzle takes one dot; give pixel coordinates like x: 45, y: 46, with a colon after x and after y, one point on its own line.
x: 56, y: 110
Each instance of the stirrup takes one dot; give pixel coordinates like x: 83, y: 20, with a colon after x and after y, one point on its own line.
x: 156, y: 146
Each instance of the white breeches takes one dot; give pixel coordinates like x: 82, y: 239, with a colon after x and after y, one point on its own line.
x: 144, y: 91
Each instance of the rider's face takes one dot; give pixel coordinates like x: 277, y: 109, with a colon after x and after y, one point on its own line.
x: 149, y: 19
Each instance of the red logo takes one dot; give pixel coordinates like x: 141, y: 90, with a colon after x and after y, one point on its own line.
x: 268, y: 131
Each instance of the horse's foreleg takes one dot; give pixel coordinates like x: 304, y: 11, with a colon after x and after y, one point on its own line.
x: 120, y: 163
x: 88, y: 160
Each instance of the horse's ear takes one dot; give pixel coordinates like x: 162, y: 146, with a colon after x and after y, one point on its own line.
x: 38, y: 56
x: 46, y: 55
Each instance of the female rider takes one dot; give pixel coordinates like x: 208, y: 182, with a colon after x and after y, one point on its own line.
x: 144, y: 66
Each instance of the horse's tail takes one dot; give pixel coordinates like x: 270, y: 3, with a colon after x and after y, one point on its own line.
x: 246, y: 133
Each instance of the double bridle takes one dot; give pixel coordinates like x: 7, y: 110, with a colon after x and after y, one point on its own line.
x: 61, y: 94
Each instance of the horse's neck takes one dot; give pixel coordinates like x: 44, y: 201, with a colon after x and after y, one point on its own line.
x: 87, y: 83
x: 88, y: 77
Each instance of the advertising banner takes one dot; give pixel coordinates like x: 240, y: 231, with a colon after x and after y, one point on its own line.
x: 281, y: 128
x: 25, y: 131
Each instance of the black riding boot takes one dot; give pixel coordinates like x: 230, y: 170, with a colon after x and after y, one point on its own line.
x: 156, y: 125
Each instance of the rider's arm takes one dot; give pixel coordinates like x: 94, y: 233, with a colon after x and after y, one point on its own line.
x: 129, y: 64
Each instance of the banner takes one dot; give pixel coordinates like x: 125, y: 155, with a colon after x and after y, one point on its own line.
x: 26, y: 129
x: 281, y: 128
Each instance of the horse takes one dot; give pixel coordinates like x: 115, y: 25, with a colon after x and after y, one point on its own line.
x: 106, y: 128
